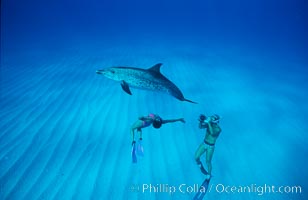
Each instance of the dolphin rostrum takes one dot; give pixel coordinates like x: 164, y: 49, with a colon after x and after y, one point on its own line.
x: 148, y: 79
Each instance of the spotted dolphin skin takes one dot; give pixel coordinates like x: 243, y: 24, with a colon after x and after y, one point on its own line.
x: 148, y: 79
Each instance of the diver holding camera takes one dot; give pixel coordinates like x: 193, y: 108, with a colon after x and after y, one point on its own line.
x: 202, y: 119
x: 211, y: 124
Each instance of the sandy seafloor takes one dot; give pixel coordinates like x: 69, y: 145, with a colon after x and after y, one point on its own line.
x: 65, y: 129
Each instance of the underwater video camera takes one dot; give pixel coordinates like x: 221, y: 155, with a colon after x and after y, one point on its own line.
x: 202, y: 118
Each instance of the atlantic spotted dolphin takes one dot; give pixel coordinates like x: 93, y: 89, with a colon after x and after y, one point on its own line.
x: 148, y: 79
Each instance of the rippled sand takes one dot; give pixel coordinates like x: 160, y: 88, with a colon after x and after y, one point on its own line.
x: 65, y: 129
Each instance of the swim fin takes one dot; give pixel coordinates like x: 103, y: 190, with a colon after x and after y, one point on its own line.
x: 202, y: 190
x: 140, y: 148
x: 134, y: 156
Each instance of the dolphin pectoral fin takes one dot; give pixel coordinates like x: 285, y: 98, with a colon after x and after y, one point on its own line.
x: 99, y: 71
x: 125, y: 87
x: 156, y: 68
x: 190, y: 101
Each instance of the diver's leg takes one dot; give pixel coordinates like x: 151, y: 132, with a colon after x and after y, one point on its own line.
x: 140, y: 133
x: 199, y: 153
x: 201, y: 149
x: 209, y: 156
x: 139, y: 143
x: 137, y: 125
x: 132, y: 134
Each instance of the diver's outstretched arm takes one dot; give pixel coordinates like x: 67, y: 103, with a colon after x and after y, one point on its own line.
x: 173, y: 120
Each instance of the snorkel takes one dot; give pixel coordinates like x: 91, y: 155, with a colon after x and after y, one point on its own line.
x: 216, y: 119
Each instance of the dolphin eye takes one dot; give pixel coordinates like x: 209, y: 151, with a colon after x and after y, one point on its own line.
x: 112, y: 71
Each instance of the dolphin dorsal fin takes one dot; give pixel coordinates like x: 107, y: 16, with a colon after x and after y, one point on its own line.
x: 156, y: 68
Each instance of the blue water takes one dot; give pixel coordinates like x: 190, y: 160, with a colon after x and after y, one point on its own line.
x: 64, y: 130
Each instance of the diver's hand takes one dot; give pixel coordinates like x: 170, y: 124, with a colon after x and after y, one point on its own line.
x: 208, y: 120
x: 182, y: 120
x: 203, y: 124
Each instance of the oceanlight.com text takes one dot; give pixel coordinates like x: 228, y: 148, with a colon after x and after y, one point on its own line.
x: 218, y: 188
x: 258, y: 189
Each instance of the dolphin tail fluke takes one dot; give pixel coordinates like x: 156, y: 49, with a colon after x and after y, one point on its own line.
x: 190, y: 101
